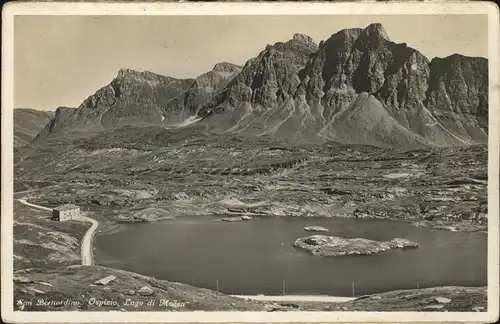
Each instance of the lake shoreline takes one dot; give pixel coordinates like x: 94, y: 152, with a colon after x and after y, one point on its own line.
x: 211, y: 224
x: 460, y: 227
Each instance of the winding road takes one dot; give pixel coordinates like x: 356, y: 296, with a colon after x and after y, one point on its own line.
x: 86, y: 245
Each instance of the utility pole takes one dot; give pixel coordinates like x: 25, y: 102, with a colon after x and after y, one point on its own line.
x: 284, y: 289
x: 353, y: 294
x: 217, y: 282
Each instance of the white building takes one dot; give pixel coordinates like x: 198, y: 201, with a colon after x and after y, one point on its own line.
x: 65, y: 212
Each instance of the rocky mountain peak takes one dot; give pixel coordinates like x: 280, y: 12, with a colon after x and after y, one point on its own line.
x: 303, y: 38
x: 344, y: 38
x: 144, y: 75
x: 376, y: 30
x: 122, y: 73
x: 226, y: 67
x: 63, y: 109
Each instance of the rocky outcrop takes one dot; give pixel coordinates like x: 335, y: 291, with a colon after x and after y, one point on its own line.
x: 235, y: 219
x: 316, y: 229
x: 458, y: 95
x: 338, y: 246
x: 203, y: 89
x: 61, y: 119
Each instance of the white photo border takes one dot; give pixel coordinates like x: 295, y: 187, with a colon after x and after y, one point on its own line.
x: 11, y: 9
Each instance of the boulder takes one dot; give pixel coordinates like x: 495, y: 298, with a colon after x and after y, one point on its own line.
x: 38, y: 291
x: 105, y: 280
x: 235, y: 219
x: 22, y: 280
x: 44, y: 283
x: 145, y: 291
x: 400, y: 243
x: 442, y: 300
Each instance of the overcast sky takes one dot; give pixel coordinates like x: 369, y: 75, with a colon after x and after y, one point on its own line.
x: 61, y: 60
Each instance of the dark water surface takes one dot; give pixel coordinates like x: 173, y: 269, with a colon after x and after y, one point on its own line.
x: 254, y: 257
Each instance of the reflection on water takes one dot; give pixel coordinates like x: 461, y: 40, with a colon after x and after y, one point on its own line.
x: 254, y: 257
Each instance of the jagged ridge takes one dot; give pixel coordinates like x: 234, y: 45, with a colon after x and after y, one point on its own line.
x: 406, y: 100
x: 356, y: 87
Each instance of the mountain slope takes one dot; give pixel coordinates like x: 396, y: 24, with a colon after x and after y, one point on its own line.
x: 264, y: 83
x: 411, y: 100
x: 201, y: 90
x: 28, y: 123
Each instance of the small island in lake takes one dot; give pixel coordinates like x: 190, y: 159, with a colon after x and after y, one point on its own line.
x: 316, y: 229
x: 336, y: 246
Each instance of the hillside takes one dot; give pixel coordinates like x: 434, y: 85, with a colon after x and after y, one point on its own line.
x: 28, y: 123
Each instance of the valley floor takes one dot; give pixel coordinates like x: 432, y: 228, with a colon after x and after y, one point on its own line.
x: 442, y: 188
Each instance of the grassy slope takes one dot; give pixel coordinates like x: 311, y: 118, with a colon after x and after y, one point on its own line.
x: 28, y: 123
x: 43, y: 243
x: 77, y: 284
x: 463, y: 299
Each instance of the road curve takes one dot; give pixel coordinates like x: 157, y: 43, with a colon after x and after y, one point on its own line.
x: 86, y: 248
x: 24, y: 202
x: 86, y: 245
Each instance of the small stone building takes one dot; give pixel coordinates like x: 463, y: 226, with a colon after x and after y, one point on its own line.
x: 65, y: 212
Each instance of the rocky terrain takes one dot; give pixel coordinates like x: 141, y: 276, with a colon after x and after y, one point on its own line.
x: 221, y: 175
x: 322, y: 245
x: 128, y: 292
x: 28, y: 123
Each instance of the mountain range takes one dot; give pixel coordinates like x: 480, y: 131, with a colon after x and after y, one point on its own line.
x: 356, y: 87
